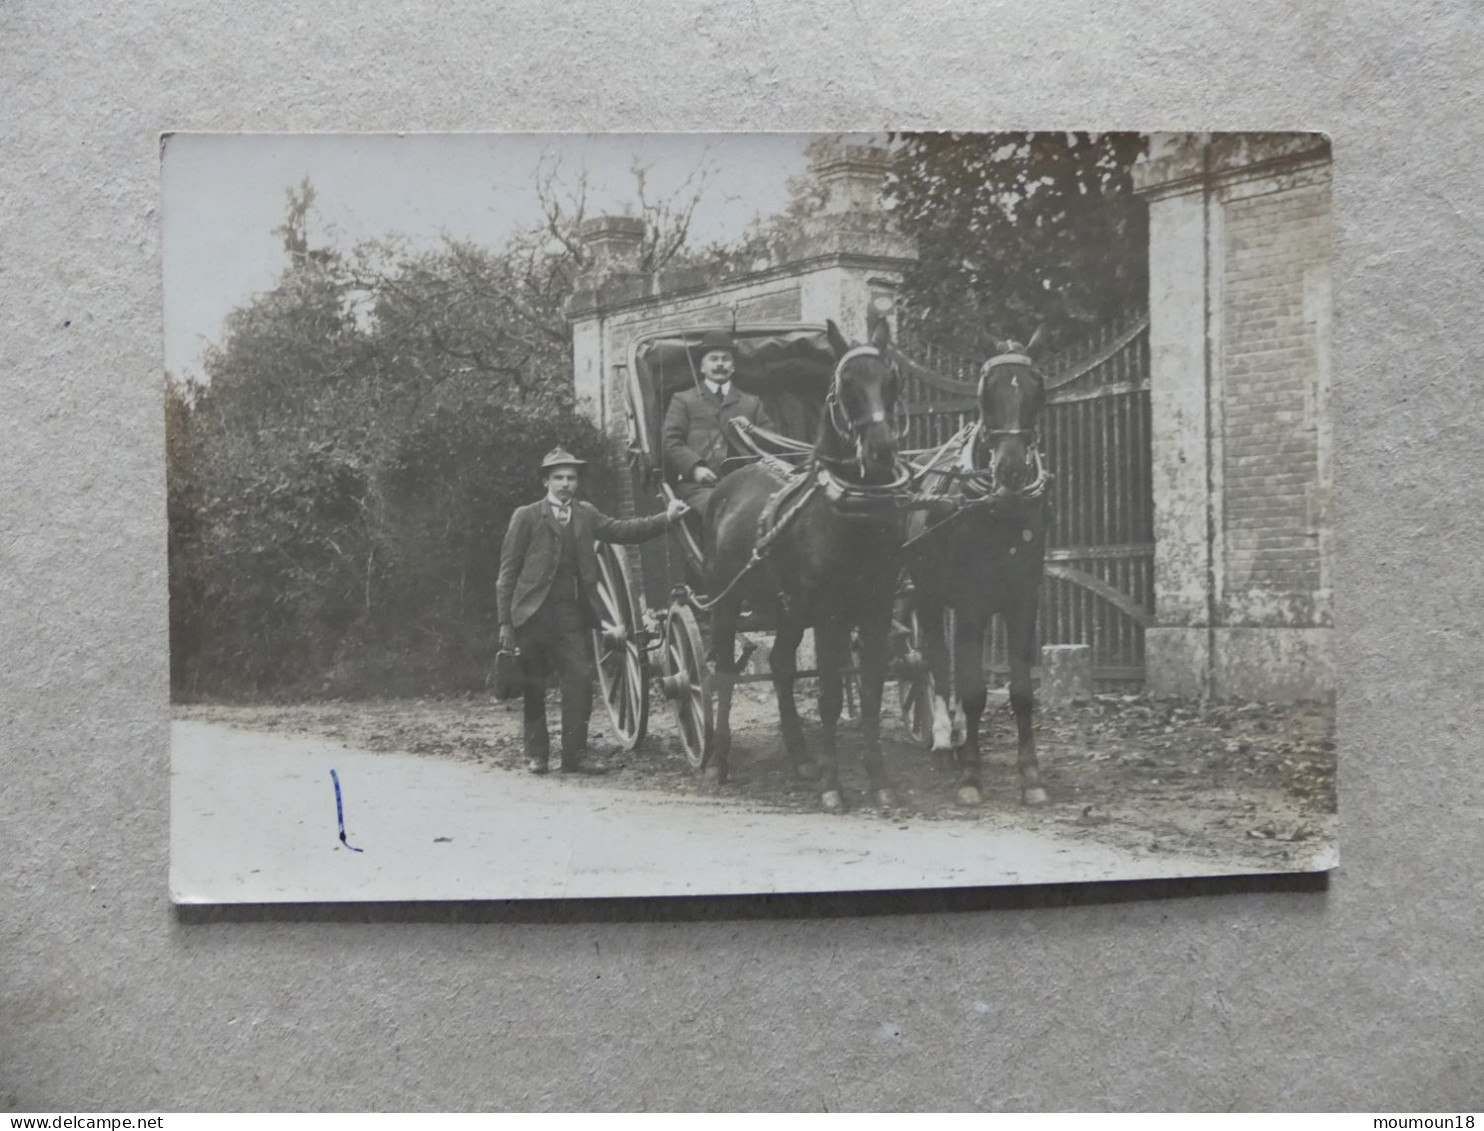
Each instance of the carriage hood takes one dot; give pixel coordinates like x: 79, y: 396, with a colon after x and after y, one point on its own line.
x: 788, y: 367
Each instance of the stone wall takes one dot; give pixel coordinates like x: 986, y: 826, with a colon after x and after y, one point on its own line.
x: 1240, y: 323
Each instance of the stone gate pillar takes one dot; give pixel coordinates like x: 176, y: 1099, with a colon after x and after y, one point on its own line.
x: 1239, y: 338
x: 855, y: 253
x: 614, y: 244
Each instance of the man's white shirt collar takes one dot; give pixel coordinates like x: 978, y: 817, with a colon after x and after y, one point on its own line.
x: 556, y: 504
x: 721, y: 389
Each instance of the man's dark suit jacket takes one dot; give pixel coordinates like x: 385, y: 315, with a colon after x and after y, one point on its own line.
x: 696, y: 430
x: 528, y: 558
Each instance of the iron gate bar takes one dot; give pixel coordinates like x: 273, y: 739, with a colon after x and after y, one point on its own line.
x: 1057, y: 375
x: 1094, y: 584
x: 1079, y: 553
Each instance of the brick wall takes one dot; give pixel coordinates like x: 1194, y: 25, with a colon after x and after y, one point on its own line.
x: 1273, y: 246
x: 1239, y: 334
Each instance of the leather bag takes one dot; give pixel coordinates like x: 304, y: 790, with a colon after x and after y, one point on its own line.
x: 508, y: 681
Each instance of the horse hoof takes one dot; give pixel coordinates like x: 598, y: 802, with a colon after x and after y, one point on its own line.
x: 969, y: 795
x: 806, y: 770
x: 885, y: 799
x: 1035, y: 796
x: 832, y: 802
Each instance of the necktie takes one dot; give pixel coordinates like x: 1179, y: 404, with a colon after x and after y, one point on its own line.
x: 563, y: 514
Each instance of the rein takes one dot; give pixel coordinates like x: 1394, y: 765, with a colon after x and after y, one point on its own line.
x: 764, y: 543
x: 980, y: 494
x: 850, y: 500
x: 853, y: 499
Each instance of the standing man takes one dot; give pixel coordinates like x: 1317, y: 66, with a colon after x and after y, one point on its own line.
x: 548, y: 602
x: 698, y: 435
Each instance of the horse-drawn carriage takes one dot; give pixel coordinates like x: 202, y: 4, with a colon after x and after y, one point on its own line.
x: 807, y: 530
x: 651, y: 638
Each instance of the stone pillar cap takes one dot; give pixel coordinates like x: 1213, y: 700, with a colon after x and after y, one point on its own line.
x: 630, y: 226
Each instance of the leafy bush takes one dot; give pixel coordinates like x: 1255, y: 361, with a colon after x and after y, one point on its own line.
x: 338, y: 494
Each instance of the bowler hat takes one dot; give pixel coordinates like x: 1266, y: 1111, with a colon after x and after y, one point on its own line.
x: 560, y: 457
x: 714, y: 340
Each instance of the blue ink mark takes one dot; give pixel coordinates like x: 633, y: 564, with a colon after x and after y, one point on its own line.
x: 340, y: 813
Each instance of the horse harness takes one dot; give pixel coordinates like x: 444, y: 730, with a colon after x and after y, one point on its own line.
x: 798, y: 485
x: 978, y: 488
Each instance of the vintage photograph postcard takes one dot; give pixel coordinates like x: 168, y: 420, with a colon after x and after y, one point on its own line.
x: 564, y: 516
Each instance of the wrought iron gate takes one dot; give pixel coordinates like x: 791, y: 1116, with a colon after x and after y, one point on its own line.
x: 1099, y: 586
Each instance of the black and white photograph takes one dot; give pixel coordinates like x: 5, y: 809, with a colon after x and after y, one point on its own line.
x: 631, y: 515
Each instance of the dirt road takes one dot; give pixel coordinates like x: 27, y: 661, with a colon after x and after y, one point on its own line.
x: 434, y: 798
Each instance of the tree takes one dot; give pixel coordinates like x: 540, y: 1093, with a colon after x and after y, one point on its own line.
x: 564, y: 205
x: 463, y: 315
x: 497, y: 317
x: 294, y: 231
x: 340, y: 483
x: 1019, y: 229
x: 184, y: 499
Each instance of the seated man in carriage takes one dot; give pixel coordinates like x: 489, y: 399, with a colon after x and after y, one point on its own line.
x: 698, y: 431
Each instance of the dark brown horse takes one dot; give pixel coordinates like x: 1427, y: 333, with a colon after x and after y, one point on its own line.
x: 830, y: 560
x: 982, y: 556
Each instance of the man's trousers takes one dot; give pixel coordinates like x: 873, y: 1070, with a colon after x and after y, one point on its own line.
x: 695, y: 495
x: 555, y: 643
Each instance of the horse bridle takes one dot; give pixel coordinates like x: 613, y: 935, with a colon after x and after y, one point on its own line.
x: 989, y: 436
x: 851, y: 429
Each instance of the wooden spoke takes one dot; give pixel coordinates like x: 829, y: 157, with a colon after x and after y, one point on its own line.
x: 620, y: 658
x: 683, y: 672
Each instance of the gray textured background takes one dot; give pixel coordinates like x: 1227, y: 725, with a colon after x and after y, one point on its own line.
x: 1367, y: 995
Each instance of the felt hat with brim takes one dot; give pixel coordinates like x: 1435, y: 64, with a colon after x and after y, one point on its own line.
x: 560, y: 457
x: 713, y: 341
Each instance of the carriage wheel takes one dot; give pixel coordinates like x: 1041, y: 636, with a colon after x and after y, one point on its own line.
x: 915, y: 687
x: 683, y: 681
x: 619, y: 649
